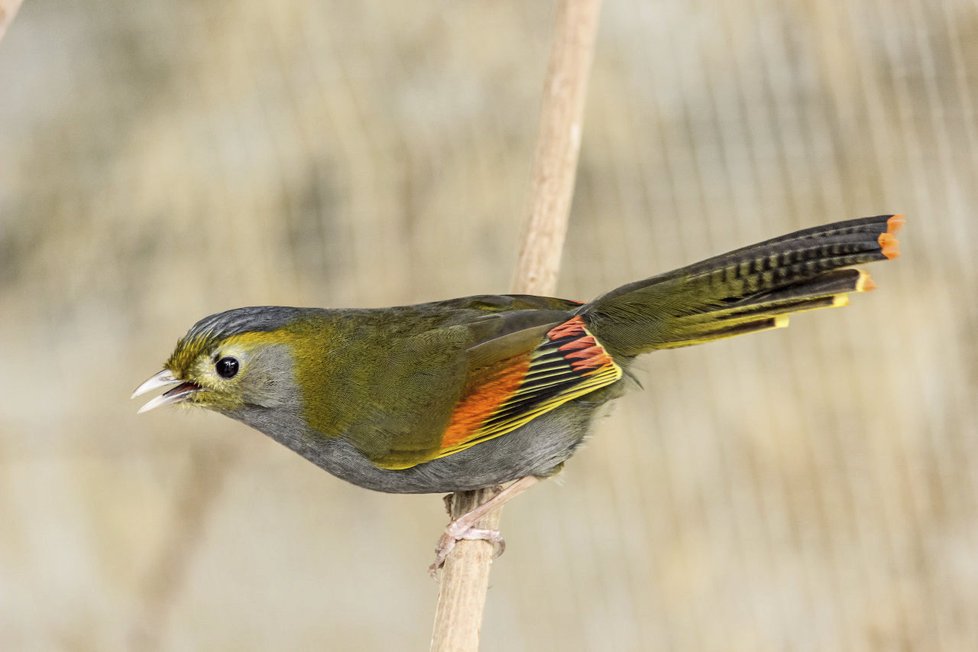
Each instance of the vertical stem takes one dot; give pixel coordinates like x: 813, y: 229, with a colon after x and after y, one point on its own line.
x: 8, y: 9
x: 465, y: 577
x: 558, y: 144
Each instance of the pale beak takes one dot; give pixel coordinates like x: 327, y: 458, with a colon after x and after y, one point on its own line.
x: 165, y: 378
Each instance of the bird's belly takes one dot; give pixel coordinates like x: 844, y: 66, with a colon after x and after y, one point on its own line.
x: 538, y: 448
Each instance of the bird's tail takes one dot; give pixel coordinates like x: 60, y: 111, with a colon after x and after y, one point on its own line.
x: 751, y: 289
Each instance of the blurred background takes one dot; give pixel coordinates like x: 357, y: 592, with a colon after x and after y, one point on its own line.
x: 807, y: 489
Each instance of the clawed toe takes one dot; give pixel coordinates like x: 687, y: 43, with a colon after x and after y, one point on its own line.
x: 456, y: 532
x: 463, y: 528
x: 494, y: 537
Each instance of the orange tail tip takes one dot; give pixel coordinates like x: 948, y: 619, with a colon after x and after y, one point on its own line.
x: 895, y: 223
x: 889, y: 244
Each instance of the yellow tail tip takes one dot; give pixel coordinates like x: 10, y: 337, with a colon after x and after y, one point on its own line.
x: 781, y: 321
x: 865, y: 282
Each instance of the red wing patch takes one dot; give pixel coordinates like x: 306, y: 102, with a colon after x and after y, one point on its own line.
x: 567, y: 364
x: 578, y: 346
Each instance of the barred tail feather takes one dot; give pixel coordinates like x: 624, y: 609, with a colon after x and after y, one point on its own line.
x: 750, y: 289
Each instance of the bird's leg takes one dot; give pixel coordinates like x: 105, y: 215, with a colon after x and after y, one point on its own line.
x: 463, y: 526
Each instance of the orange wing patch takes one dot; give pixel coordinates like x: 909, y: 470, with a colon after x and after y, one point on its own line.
x: 567, y: 364
x: 476, y: 407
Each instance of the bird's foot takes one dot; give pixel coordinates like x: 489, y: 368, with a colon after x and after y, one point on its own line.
x: 459, y: 531
x: 464, y: 527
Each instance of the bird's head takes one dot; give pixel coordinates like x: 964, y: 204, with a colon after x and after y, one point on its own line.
x: 229, y: 362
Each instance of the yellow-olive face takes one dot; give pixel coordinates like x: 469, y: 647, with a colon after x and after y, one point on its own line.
x: 221, y: 376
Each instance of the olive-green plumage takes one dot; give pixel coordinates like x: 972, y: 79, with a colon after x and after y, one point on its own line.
x: 477, y: 391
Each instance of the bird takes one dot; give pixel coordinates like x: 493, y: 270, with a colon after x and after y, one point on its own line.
x: 481, y: 391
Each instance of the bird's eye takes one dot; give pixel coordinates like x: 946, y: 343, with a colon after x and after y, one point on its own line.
x: 227, y: 367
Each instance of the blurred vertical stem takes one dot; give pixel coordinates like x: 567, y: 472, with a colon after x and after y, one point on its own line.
x: 8, y: 9
x: 465, y: 578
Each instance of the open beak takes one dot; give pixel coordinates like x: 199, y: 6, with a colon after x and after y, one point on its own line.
x: 165, y: 378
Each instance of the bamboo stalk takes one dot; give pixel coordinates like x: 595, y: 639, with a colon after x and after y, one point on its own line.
x: 465, y: 578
